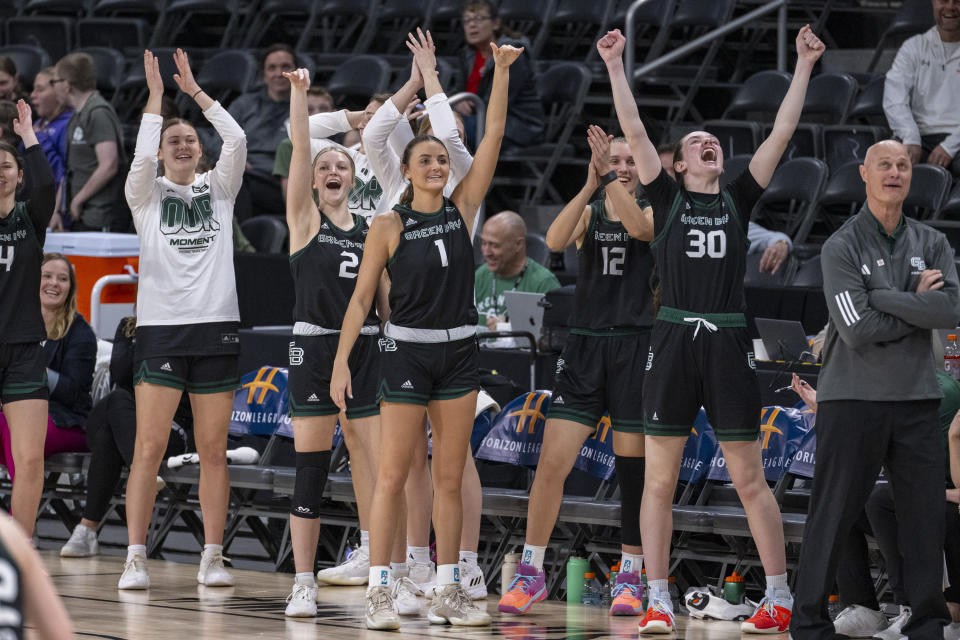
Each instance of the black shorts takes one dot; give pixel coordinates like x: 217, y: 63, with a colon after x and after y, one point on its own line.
x: 197, y: 358
x: 308, y: 381
x: 203, y: 339
x: 193, y: 374
x: 23, y: 375
x: 715, y: 370
x: 418, y: 372
x: 598, y: 374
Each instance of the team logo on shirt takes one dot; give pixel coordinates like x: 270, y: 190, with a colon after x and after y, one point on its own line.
x: 196, y: 219
x: 918, y: 265
x: 296, y: 354
x: 365, y: 195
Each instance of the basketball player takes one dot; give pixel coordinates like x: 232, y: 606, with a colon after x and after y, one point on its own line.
x: 700, y: 349
x: 187, y: 313
x: 600, y: 368
x: 430, y: 351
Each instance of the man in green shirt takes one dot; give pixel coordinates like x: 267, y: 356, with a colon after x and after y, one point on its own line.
x: 507, y: 268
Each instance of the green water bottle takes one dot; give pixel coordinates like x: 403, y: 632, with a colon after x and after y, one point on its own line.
x: 576, y: 570
x: 733, y: 588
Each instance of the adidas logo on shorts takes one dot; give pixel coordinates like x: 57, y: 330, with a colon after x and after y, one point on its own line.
x: 407, y: 385
x: 655, y: 416
x: 313, y: 398
x: 558, y: 400
x: 166, y: 367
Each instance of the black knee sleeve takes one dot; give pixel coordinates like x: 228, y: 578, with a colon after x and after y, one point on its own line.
x: 630, y: 478
x: 312, y: 469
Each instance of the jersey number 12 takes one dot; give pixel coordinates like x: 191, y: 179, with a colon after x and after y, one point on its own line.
x: 613, y: 259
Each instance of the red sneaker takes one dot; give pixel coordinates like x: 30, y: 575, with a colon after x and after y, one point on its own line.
x: 658, y: 619
x: 772, y: 616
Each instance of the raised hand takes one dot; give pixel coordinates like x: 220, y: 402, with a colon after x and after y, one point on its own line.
x: 184, y: 76
x: 600, y: 147
x: 809, y: 46
x: 414, y: 110
x: 299, y: 79
x: 424, y: 51
x: 610, y: 47
x: 151, y: 69
x: 23, y: 123
x: 505, y: 55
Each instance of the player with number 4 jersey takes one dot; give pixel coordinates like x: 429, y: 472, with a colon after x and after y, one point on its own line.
x: 700, y: 351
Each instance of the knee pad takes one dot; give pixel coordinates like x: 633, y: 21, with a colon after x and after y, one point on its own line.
x: 312, y: 469
x: 630, y: 479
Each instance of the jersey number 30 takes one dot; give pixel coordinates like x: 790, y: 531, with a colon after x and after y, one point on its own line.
x: 713, y: 244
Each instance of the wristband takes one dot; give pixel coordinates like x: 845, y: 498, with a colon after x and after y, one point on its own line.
x: 198, y: 92
x: 608, y: 177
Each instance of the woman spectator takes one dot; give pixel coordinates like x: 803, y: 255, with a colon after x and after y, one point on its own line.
x: 9, y: 80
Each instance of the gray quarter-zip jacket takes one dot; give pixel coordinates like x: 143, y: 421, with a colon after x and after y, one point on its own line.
x: 878, y: 344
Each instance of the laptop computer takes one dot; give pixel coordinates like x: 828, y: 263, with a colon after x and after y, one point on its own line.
x: 524, y: 311
x: 784, y: 340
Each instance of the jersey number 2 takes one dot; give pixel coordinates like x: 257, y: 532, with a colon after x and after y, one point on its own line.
x: 713, y: 244
x: 613, y: 259
x: 350, y: 260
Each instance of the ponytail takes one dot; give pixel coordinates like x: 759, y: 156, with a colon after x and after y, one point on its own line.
x: 406, y: 198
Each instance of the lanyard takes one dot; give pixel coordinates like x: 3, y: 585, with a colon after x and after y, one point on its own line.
x: 516, y: 283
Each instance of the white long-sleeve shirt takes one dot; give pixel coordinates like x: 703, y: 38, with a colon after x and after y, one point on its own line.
x: 387, y: 163
x: 186, y: 231
x: 921, y: 94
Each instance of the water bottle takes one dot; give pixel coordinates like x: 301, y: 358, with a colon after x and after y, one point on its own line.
x: 833, y: 606
x: 576, y: 569
x: 592, y: 594
x: 733, y: 588
x: 951, y: 357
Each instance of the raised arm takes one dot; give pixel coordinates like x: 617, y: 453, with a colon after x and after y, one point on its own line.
x: 572, y: 222
x: 645, y: 153
x: 301, y: 210
x: 638, y: 222
x: 43, y: 198
x: 767, y: 157
x: 143, y: 169
x: 469, y: 194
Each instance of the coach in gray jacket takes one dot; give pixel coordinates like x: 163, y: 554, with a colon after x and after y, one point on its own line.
x: 888, y: 281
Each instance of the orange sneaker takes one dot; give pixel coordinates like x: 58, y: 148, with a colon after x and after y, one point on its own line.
x: 528, y: 586
x: 627, y: 596
x: 772, y: 616
x: 658, y: 619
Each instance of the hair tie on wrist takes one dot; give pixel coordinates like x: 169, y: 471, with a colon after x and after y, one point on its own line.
x: 194, y: 96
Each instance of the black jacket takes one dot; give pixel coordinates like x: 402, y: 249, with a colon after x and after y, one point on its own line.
x: 74, y: 357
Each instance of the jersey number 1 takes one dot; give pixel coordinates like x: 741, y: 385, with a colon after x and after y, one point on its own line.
x: 443, y: 252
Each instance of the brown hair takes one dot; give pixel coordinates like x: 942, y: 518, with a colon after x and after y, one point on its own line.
x: 169, y: 122
x: 320, y: 91
x: 79, y: 70
x: 278, y: 46
x: 678, y: 157
x: 381, y: 97
x: 8, y: 66
x: 407, y: 196
x: 8, y: 112
x: 425, y: 125
x: 64, y: 316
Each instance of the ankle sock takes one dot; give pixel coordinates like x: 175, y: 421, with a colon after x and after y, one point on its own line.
x: 533, y: 556
x: 136, y: 550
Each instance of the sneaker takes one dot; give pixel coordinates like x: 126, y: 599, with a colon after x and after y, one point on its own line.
x: 82, y: 543
x: 472, y: 580
x: 895, y: 630
x: 352, y: 572
x: 452, y: 604
x: 135, y: 574
x: 952, y: 631
x: 772, y: 614
x: 381, y: 612
x: 212, y: 573
x: 405, y: 592
x: 529, y: 585
x: 424, y: 574
x: 658, y: 618
x: 706, y: 604
x: 857, y: 621
x: 627, y: 595
x: 302, y: 601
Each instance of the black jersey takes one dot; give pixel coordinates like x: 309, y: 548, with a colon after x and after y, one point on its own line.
x: 700, y: 243
x: 22, y: 234
x: 431, y: 272
x: 325, y: 273
x: 613, y: 282
x: 11, y: 593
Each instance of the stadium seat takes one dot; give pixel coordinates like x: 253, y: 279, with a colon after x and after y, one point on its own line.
x: 649, y: 25
x: 842, y: 198
x: 809, y: 273
x: 753, y: 277
x: 949, y: 228
x: 342, y: 26
x: 537, y: 249
x: 357, y: 79
x: 217, y: 27
x: 759, y: 97
x: 951, y: 208
x: 228, y: 74
x: 282, y: 21
x: 928, y: 191
x: 47, y: 7
x: 733, y: 167
x: 529, y: 18
x: 128, y: 35
x: 914, y: 16
x: 446, y: 27
x: 392, y: 23
x: 28, y: 58
x: 829, y: 97
x: 847, y: 143
x: 868, y: 105
x: 268, y: 234
x: 131, y: 94
x: 121, y: 15
x: 54, y: 34
x: 110, y: 65
x: 736, y: 136
x: 573, y: 28
x: 806, y: 142
x: 788, y: 204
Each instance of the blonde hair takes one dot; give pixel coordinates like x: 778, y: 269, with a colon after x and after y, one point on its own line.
x: 63, y: 317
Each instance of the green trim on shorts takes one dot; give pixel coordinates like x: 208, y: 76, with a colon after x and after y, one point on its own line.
x: 384, y: 394
x: 144, y: 374
x: 310, y: 410
x: 451, y: 394
x: 739, y: 435
x: 669, y: 314
x: 365, y: 411
x: 22, y: 388
x: 580, y: 417
x: 612, y: 332
x: 219, y: 386
x: 671, y: 430
x: 628, y: 426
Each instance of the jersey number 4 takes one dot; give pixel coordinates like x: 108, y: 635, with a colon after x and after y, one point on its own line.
x: 713, y: 244
x: 6, y: 257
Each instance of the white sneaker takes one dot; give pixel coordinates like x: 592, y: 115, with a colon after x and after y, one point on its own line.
x: 424, y: 574
x: 302, y: 601
x: 472, y: 580
x: 895, y: 630
x: 381, y: 611
x: 135, y: 574
x: 452, y: 604
x: 212, y: 573
x: 405, y: 592
x: 354, y: 571
x: 857, y: 621
x: 82, y: 543
x: 952, y: 631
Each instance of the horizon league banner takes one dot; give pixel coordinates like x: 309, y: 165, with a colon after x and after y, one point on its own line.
x: 805, y: 456
x: 700, y: 449
x: 516, y: 437
x: 782, y: 431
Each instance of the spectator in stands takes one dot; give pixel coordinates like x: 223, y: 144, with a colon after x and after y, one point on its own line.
x: 507, y: 268
x: 879, y: 395
x: 481, y: 26
x: 93, y: 200
x: 8, y: 112
x: 861, y: 616
x: 111, y: 430
x: 9, y: 80
x: 262, y: 115
x: 922, y: 90
x: 51, y: 124
x: 319, y: 100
